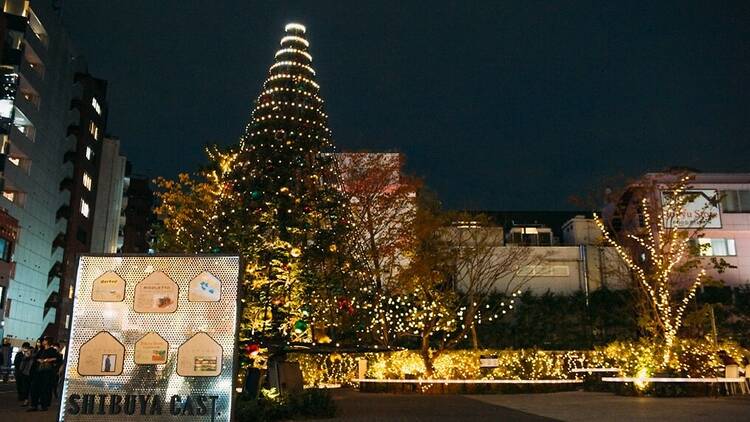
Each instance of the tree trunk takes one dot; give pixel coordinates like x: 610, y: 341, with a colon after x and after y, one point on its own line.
x: 474, y: 337
x: 427, y: 359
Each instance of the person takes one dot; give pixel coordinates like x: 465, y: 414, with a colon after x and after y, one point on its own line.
x: 42, y: 375
x: 22, y: 370
x: 6, y: 351
x: 56, y: 372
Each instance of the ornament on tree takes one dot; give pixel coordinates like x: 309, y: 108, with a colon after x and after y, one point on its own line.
x: 256, y: 195
x: 295, y: 252
x: 252, y: 349
x: 345, y: 305
x: 300, y: 326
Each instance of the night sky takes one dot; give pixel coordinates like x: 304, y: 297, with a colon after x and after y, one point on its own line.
x: 497, y: 104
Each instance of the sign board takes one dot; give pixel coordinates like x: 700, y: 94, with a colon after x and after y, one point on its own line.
x: 153, y: 338
x: 700, y: 211
x: 488, y: 361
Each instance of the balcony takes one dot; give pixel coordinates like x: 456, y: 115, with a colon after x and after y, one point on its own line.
x: 38, y: 44
x: 66, y: 184
x: 69, y: 156
x: 74, y: 130
x: 55, y: 272
x: 59, y: 242
x: 16, y: 22
x: 33, y: 72
x: 20, y: 141
x: 52, y: 302
x: 63, y: 212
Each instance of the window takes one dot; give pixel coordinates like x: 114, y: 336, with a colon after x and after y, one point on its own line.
x: 89, y: 153
x: 735, y: 201
x: 16, y: 197
x: 84, y: 208
x: 5, y: 249
x: 94, y: 130
x: 716, y: 247
x: 29, y: 131
x: 86, y: 181
x: 97, y: 107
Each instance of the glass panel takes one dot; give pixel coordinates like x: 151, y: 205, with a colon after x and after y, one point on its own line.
x: 729, y: 202
x: 744, y: 200
x: 719, y: 247
x: 730, y: 247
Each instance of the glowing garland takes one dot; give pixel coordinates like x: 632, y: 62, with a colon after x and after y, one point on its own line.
x: 666, y: 248
x: 294, y: 38
x: 293, y: 51
x: 287, y: 63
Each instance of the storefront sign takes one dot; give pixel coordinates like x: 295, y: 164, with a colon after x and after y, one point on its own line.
x: 700, y: 211
x: 152, y: 338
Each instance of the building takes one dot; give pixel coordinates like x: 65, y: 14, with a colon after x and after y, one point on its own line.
x: 109, y: 198
x: 88, y: 109
x: 724, y: 198
x: 37, y: 72
x: 54, y: 164
x: 8, y: 237
x: 382, y: 204
x: 138, y: 236
x: 580, y: 263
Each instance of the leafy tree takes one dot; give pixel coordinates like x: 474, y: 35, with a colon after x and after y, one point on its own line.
x: 383, y: 209
x: 452, y: 274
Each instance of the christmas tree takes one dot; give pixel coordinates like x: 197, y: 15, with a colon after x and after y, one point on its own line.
x: 280, y: 207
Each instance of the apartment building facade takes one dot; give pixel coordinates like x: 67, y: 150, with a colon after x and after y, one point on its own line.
x: 57, y: 170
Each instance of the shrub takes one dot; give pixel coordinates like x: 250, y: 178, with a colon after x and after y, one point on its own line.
x: 272, y: 406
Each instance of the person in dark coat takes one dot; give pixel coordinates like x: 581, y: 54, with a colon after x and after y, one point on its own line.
x: 6, y: 351
x: 43, y: 371
x: 22, y: 370
x: 58, y: 369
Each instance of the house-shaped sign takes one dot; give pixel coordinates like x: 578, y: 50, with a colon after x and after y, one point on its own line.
x: 157, y: 293
x: 199, y: 356
x: 108, y: 287
x: 102, y: 355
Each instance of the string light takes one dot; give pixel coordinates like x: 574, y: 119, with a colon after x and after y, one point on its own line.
x: 293, y: 26
x: 293, y: 51
x: 294, y: 38
x: 666, y: 246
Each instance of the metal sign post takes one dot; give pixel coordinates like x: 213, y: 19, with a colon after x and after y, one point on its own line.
x: 153, y: 338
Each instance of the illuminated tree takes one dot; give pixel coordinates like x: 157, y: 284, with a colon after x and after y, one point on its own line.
x: 657, y: 236
x: 383, y: 207
x: 274, y: 199
x: 457, y: 262
x: 186, y: 206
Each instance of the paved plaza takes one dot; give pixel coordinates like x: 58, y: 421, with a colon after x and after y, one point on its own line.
x: 566, y: 406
